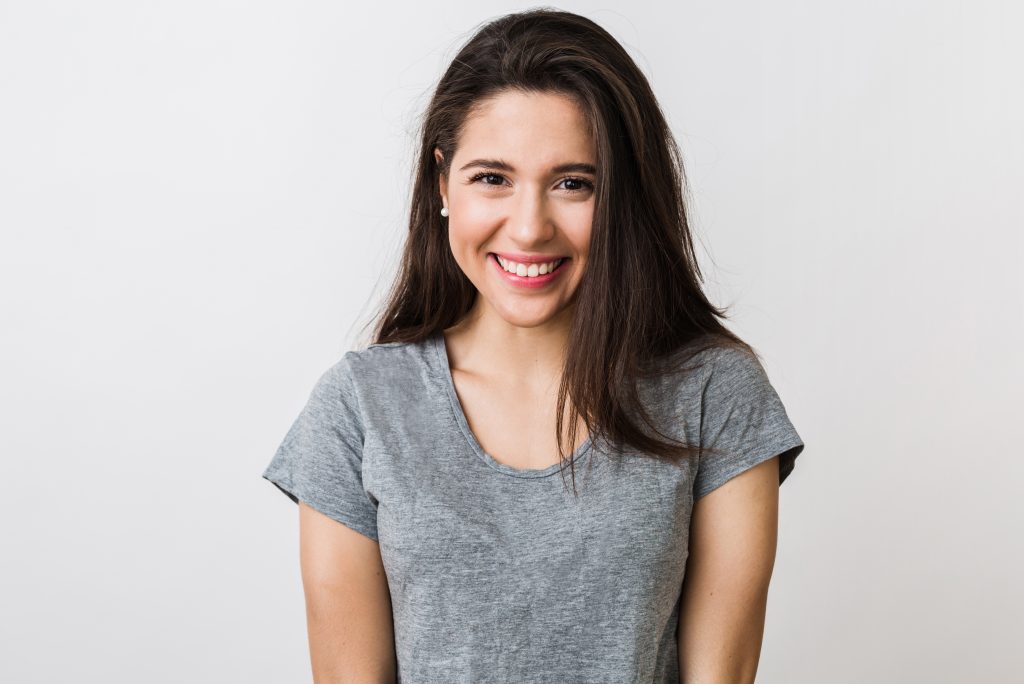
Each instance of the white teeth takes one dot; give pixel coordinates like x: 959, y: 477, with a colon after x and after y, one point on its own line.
x: 529, y: 271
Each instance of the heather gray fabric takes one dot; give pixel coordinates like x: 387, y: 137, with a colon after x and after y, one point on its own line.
x: 498, y: 574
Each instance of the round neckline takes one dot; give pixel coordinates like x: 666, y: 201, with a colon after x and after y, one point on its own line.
x: 440, y: 346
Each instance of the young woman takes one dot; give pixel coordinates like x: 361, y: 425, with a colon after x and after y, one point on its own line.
x: 548, y: 318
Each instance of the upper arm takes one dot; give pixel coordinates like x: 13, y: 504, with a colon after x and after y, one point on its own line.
x: 733, y: 536
x: 319, y: 465
x: 348, y: 605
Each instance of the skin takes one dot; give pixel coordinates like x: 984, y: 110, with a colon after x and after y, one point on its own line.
x: 348, y: 603
x: 733, y: 537
x: 506, y: 355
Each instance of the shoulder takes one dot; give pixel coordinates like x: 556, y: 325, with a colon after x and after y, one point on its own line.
x: 715, y: 363
x: 696, y: 376
x: 390, y: 364
x: 730, y: 365
x: 712, y: 377
x: 735, y: 377
x: 369, y: 380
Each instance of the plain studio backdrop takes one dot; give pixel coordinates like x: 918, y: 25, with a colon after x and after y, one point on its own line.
x: 202, y: 202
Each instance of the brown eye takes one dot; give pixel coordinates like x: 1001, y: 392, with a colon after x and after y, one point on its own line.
x: 485, y: 174
x: 584, y: 184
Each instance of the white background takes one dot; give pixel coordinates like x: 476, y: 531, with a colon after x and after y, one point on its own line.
x: 202, y: 202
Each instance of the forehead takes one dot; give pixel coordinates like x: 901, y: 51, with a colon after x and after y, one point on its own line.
x: 532, y: 129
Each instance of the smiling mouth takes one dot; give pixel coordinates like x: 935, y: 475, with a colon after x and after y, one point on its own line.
x: 529, y: 270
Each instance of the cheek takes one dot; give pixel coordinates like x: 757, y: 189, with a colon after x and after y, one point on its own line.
x: 472, y: 210
x: 579, y: 229
x: 466, y: 240
x: 469, y: 225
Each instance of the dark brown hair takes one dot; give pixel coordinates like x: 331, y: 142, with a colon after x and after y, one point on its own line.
x: 641, y: 289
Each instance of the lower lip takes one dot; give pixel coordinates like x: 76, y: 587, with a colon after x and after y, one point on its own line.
x: 526, y: 281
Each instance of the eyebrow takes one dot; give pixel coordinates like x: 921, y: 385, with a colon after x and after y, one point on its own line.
x: 572, y: 167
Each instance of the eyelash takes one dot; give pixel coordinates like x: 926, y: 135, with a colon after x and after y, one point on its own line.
x: 587, y: 185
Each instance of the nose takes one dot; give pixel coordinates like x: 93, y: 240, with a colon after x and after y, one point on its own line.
x: 531, y: 222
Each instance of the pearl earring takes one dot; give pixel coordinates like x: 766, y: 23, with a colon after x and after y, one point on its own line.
x: 444, y: 211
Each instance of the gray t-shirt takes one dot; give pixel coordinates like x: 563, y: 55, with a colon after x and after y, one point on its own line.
x: 498, y: 574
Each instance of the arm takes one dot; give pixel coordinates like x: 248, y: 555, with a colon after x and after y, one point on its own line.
x: 348, y: 605
x: 733, y: 535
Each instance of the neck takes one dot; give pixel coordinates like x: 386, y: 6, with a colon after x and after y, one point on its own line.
x: 517, y: 357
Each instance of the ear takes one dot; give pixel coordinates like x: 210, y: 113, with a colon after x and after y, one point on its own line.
x: 442, y: 179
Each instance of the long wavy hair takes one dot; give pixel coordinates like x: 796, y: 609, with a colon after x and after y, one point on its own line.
x: 645, y: 310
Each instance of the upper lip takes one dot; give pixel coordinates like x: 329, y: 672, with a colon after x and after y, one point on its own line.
x: 529, y: 258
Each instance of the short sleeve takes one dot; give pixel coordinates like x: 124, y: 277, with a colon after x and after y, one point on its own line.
x: 743, y: 422
x: 320, y: 460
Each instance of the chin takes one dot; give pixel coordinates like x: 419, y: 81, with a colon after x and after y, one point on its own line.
x: 522, y: 315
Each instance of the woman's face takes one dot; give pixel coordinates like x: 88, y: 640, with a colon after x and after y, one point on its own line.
x: 521, y: 190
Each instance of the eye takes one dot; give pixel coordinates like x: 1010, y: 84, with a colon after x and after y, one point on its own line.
x: 583, y: 182
x: 486, y: 174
